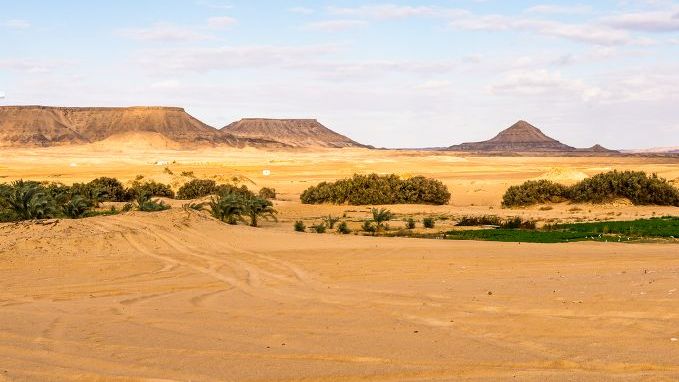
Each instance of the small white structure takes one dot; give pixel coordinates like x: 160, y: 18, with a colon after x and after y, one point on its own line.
x: 162, y: 163
x: 266, y: 172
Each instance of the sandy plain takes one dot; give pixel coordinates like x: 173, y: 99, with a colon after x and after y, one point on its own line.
x: 177, y: 296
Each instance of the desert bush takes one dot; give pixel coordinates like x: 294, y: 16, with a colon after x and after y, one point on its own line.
x: 267, y: 193
x: 534, y: 192
x: 378, y: 189
x: 109, y: 190
x: 243, y: 190
x: 330, y: 221
x: 196, y: 188
x: 151, y: 188
x: 319, y: 228
x: 474, y: 221
x: 77, y: 207
x: 410, y: 223
x: 636, y: 186
x: 428, y: 222
x: 368, y: 226
x: 517, y: 223
x: 343, y: 228
x: 145, y: 203
x: 300, y: 226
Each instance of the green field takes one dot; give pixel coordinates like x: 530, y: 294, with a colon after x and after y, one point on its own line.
x: 615, y: 231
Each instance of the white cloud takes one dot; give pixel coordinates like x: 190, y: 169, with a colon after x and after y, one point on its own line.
x: 221, y: 22
x: 302, y: 10
x: 335, y: 25
x: 164, y: 32
x: 16, y: 24
x: 433, y: 85
x: 656, y: 21
x: 391, y: 11
x: 230, y: 57
x: 560, y: 9
x: 543, y: 82
x: 166, y: 84
x: 588, y: 33
x: 30, y: 65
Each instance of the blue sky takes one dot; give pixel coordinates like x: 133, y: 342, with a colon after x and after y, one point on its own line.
x: 394, y: 74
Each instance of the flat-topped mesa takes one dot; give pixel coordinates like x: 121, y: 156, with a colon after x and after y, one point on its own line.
x: 520, y: 137
x: 49, y: 126
x: 292, y: 132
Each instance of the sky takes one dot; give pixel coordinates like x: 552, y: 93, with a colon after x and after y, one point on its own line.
x: 391, y: 74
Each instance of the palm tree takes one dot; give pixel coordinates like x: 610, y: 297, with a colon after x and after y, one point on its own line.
x: 146, y: 204
x: 28, y: 200
x: 380, y: 216
x: 228, y: 207
x: 76, y: 208
x: 256, y: 207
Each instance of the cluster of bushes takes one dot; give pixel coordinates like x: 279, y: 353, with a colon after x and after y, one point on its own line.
x: 200, y: 188
x: 636, y: 186
x: 492, y: 220
x: 378, y: 189
x: 27, y: 200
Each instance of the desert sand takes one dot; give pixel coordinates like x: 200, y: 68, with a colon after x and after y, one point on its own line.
x: 178, y: 296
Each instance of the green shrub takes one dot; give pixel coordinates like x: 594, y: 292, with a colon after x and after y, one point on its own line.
x: 26, y: 200
x: 368, y: 226
x: 380, y: 216
x: 197, y: 188
x: 243, y: 190
x: 534, y: 192
x: 228, y: 208
x: 151, y: 188
x: 511, y: 223
x: 267, y: 193
x: 428, y: 222
x: 109, y: 190
x: 330, y: 221
x: 255, y: 207
x: 378, y: 189
x: 319, y: 228
x: 635, y: 186
x: 343, y: 228
x: 517, y: 223
x: 300, y: 226
x: 146, y: 204
x: 77, y: 207
x: 410, y: 223
x: 475, y: 221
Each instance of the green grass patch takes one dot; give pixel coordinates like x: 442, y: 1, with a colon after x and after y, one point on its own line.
x: 622, y: 231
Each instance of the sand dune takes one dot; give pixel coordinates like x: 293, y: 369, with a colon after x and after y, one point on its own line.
x: 177, y: 296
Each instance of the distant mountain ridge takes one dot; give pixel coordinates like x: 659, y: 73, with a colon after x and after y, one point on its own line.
x: 523, y: 137
x: 50, y: 126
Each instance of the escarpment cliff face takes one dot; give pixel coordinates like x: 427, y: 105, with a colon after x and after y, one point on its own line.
x: 48, y: 126
x: 520, y: 137
x: 292, y: 132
